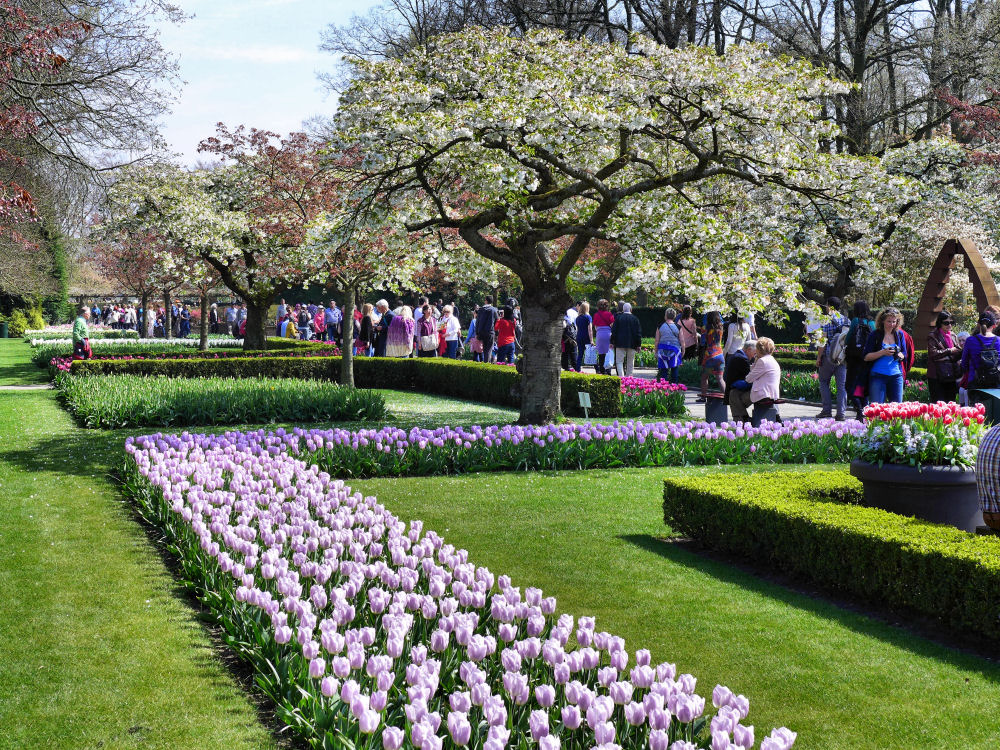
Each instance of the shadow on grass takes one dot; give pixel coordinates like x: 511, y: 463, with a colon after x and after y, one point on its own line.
x: 917, y: 635
x: 22, y: 373
x: 218, y: 651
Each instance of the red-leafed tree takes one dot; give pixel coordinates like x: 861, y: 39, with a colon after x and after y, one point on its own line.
x: 279, y: 185
x: 29, y: 47
x: 977, y: 125
x: 129, y: 261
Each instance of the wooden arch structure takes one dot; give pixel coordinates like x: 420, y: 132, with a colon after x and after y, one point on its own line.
x: 932, y: 300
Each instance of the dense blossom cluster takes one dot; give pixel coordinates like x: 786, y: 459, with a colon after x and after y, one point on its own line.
x: 137, y: 343
x: 947, y: 412
x: 392, y: 451
x: 942, y: 434
x: 64, y: 363
x: 381, y: 629
x: 642, y: 397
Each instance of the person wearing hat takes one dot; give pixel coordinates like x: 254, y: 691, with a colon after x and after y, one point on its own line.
x: 980, y: 355
x: 944, y: 357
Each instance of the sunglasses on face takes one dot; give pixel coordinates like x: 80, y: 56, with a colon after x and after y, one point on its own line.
x: 947, y: 322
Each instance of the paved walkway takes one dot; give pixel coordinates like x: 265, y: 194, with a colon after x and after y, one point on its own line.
x: 788, y: 410
x: 38, y: 387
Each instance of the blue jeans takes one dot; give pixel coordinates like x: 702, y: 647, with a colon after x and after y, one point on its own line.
x: 828, y: 370
x: 451, y: 349
x: 581, y: 350
x: 506, y: 354
x: 884, y: 389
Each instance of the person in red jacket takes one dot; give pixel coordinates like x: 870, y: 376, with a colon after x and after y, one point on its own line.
x: 506, y: 328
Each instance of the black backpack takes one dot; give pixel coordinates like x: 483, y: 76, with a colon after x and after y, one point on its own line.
x: 988, y: 370
x: 856, y: 346
x: 569, y: 332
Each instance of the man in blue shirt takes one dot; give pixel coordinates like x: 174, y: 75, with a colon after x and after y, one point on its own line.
x: 334, y: 318
x: 828, y: 368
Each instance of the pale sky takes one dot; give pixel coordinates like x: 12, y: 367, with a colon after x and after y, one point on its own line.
x: 250, y: 62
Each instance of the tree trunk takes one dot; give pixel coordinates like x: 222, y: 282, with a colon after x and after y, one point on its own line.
x: 167, y: 317
x: 542, y: 314
x: 347, y: 339
x: 203, y: 332
x: 143, y: 324
x: 255, y: 338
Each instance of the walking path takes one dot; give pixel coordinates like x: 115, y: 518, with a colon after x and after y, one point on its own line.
x: 788, y: 410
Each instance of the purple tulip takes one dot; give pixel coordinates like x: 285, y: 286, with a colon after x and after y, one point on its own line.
x: 635, y: 714
x: 545, y: 695
x: 549, y: 742
x: 604, y: 733
x: 500, y: 733
x: 689, y: 708
x: 720, y: 740
x: 538, y: 724
x: 743, y: 736
x: 620, y: 692
x: 459, y: 728
x: 329, y: 686
x: 317, y: 667
x: 368, y: 722
x: 561, y: 673
x: 571, y: 717
x: 658, y: 740
x: 392, y: 738
x: 721, y: 696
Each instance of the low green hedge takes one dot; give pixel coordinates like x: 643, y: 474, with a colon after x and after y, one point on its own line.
x: 116, y: 401
x: 919, y: 357
x: 806, y: 524
x: 473, y: 381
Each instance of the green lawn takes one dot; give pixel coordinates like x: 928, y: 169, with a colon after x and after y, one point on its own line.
x: 15, y: 364
x: 594, y: 540
x: 98, y: 647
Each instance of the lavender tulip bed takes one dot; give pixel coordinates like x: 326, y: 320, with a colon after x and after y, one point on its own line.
x: 368, y: 632
x: 391, y: 451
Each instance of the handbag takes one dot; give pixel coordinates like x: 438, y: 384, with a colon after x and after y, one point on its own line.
x: 429, y: 343
x: 476, y: 346
x: 609, y: 359
x: 590, y: 355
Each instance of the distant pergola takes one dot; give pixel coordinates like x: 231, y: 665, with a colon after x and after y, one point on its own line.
x: 932, y: 300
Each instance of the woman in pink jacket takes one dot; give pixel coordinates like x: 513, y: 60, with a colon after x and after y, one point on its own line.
x: 765, y: 375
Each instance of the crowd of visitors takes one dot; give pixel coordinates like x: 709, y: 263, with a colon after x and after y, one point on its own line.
x: 129, y: 317
x: 861, y: 357
x: 869, y: 357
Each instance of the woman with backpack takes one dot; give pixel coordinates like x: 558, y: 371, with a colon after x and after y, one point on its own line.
x: 885, y: 353
x: 862, y: 324
x: 688, y: 333
x: 944, y: 359
x: 981, y: 355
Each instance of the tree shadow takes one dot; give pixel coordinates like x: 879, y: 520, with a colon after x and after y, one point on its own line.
x: 909, y: 631
x: 22, y: 373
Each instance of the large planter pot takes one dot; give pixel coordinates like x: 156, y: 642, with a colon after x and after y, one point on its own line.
x: 940, y: 494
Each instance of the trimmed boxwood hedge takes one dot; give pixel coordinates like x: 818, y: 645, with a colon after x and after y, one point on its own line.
x: 473, y: 381
x: 806, y: 524
x: 919, y: 357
